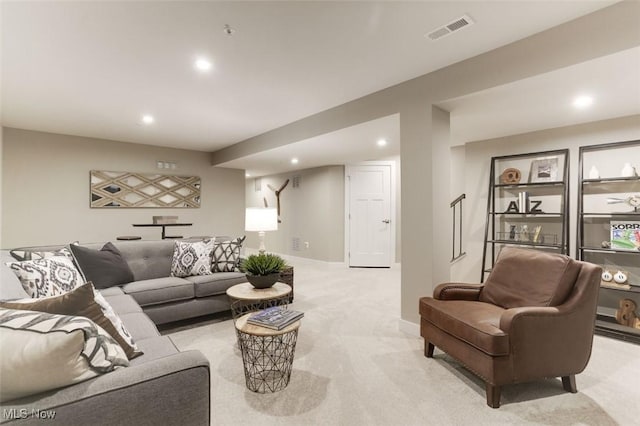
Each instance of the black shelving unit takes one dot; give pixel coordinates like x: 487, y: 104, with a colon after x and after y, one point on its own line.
x: 548, y: 186
x: 595, y: 215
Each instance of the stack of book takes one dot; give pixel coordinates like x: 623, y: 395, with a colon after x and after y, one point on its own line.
x: 276, y: 317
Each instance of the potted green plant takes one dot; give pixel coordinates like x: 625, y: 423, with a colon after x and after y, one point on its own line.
x: 262, y: 270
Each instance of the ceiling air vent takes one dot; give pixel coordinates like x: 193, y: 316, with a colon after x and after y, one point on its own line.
x: 455, y: 25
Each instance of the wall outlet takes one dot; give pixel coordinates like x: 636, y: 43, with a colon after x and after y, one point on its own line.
x: 306, y: 244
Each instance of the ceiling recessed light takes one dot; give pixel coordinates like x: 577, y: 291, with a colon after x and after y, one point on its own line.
x: 583, y: 101
x: 382, y: 142
x: 228, y: 30
x: 202, y: 64
x: 148, y: 119
x: 247, y: 174
x: 294, y: 161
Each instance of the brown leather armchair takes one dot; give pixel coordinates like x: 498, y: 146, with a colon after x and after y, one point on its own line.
x: 533, y: 318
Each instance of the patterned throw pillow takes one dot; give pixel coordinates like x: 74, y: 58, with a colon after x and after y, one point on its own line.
x: 47, y: 277
x: 108, y: 312
x: 58, y: 275
x: 83, y: 301
x: 62, y: 350
x: 33, y: 253
x: 226, y: 255
x: 191, y: 258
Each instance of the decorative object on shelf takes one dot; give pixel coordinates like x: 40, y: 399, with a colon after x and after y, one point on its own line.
x: 164, y: 220
x: 616, y: 280
x: 544, y: 170
x: 523, y: 202
x: 606, y: 244
x: 524, y: 232
x: 620, y: 277
x: 263, y: 270
x: 513, y: 207
x: 626, y: 314
x: 625, y: 235
x: 510, y: 176
x: 512, y: 232
x: 533, y: 206
x: 524, y: 205
x: 594, y: 173
x: 278, y: 192
x: 632, y: 200
x: 628, y: 171
x: 260, y: 220
x: 538, y: 237
x: 133, y: 190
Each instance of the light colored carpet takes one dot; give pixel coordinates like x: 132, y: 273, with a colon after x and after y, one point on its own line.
x: 354, y: 367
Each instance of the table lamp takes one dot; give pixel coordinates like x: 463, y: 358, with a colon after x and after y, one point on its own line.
x: 261, y: 220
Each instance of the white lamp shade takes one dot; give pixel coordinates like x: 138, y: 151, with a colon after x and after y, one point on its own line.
x: 261, y: 219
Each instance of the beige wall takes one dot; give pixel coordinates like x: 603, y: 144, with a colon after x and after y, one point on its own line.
x: 1, y: 173
x: 45, y: 193
x: 585, y: 38
x: 475, y: 166
x: 313, y: 212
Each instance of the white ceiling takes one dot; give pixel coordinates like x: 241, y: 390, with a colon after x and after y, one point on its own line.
x: 93, y: 68
x: 546, y: 100
x: 345, y: 146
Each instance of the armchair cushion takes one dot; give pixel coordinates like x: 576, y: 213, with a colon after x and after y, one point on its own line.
x: 523, y: 277
x: 477, y: 324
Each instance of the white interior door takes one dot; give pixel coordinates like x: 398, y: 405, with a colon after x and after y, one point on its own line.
x: 369, y: 215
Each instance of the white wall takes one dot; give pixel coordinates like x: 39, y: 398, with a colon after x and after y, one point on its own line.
x: 476, y: 168
x: 313, y: 212
x: 46, y: 191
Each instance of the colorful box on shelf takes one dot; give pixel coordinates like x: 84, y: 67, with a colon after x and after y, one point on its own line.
x: 625, y: 235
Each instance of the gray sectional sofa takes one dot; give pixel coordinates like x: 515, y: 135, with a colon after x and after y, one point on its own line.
x: 163, y: 386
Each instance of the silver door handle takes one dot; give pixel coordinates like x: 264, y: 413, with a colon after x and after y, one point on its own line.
x: 386, y: 221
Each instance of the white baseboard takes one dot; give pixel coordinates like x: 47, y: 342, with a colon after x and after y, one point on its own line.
x: 300, y: 260
x: 409, y: 327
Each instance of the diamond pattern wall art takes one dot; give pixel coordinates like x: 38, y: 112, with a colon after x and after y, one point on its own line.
x: 131, y: 190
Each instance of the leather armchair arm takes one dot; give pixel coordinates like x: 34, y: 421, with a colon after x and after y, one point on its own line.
x: 554, y: 341
x: 526, y: 317
x: 457, y: 291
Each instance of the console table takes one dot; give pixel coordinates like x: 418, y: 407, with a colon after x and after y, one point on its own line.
x: 163, y: 226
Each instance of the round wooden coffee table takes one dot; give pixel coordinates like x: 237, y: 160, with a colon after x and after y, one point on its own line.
x: 245, y: 298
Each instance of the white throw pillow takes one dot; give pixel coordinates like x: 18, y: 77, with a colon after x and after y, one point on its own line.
x: 42, y: 351
x: 192, y: 258
x: 47, y: 277
x: 111, y: 315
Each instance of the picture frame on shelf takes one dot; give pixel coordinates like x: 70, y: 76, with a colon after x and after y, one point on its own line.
x: 544, y: 170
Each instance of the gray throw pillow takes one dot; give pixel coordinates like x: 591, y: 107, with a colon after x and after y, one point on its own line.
x: 104, y: 268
